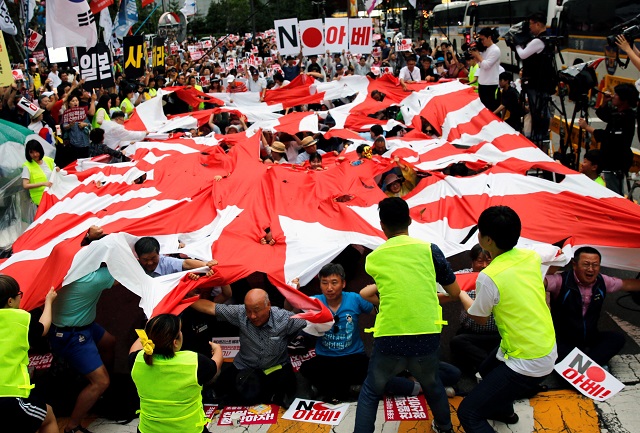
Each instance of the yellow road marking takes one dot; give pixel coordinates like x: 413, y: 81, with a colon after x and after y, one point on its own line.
x: 556, y: 411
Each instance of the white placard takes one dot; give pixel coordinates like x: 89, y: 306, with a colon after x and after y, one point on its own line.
x: 287, y: 36
x: 316, y: 412
x: 312, y: 37
x: 588, y: 377
x: 58, y: 55
x: 336, y: 36
x: 403, y: 44
x: 360, y: 35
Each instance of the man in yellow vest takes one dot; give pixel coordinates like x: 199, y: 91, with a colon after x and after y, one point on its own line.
x: 409, y: 322
x: 511, y: 287
x: 21, y: 411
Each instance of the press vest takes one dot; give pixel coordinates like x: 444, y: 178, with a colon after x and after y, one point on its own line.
x: 538, y: 72
x: 566, y: 310
x: 522, y: 315
x: 14, y: 334
x: 170, y: 399
x: 405, y: 275
x: 36, y: 175
x: 94, y: 121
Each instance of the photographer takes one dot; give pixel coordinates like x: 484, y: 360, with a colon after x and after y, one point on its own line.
x: 632, y: 52
x: 538, y: 78
x: 615, y: 140
x: 634, y: 55
x: 489, y: 64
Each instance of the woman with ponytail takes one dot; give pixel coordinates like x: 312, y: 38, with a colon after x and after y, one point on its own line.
x: 169, y: 381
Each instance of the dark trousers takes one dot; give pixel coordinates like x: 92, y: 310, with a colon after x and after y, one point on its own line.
x: 333, y: 375
x: 601, y: 348
x: 470, y: 350
x: 488, y: 97
x: 540, y: 115
x: 494, y: 396
x: 252, y: 386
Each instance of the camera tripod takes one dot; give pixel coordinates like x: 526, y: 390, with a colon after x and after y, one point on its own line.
x: 571, y: 159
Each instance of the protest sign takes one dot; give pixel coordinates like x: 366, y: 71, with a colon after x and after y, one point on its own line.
x: 297, y: 360
x: 249, y: 415
x: 405, y: 408
x: 40, y: 362
x: 230, y: 346
x: 588, y: 377
x: 316, y: 412
x: 403, y: 45
x: 71, y: 115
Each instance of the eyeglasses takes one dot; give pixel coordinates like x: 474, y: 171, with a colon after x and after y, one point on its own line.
x: 336, y: 320
x: 18, y: 294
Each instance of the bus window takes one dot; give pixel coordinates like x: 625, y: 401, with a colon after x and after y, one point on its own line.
x: 496, y: 12
x: 596, y: 18
x: 448, y: 16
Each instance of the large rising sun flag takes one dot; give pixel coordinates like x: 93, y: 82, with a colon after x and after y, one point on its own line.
x: 313, y: 215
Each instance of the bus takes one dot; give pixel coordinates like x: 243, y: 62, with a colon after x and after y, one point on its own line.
x: 583, y: 24
x: 586, y: 25
x: 452, y: 22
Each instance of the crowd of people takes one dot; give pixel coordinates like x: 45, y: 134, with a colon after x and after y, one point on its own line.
x: 509, y: 351
x: 510, y: 336
x: 523, y: 103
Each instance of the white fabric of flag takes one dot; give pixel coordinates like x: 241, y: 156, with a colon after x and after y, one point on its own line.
x: 190, y: 8
x: 107, y: 25
x: 27, y: 9
x: 6, y: 23
x: 70, y: 24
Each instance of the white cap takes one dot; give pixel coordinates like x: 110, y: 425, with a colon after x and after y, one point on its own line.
x: 230, y: 78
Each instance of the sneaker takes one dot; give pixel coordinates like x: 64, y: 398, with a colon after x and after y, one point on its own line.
x: 437, y: 429
x: 510, y: 419
x: 450, y: 391
x: 478, y: 377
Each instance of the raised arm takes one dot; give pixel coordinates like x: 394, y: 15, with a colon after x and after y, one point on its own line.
x: 45, y: 319
x: 205, y: 306
x: 370, y: 293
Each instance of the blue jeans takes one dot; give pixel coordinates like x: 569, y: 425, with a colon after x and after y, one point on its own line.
x: 493, y: 397
x: 382, y: 368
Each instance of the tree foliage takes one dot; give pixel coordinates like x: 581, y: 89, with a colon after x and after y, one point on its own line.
x: 234, y: 16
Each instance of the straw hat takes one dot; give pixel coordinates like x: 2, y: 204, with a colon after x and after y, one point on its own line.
x: 308, y: 141
x: 278, y: 147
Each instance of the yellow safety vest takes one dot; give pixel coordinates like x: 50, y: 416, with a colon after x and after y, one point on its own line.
x: 522, y: 315
x: 94, y: 121
x: 170, y: 397
x: 473, y: 70
x: 36, y: 175
x: 403, y: 270
x: 14, y: 334
x: 127, y: 107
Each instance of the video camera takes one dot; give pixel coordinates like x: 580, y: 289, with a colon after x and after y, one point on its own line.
x: 629, y: 29
x: 581, y: 79
x: 518, y: 35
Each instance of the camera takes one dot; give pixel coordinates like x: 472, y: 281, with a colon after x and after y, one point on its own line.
x: 629, y: 29
x: 518, y: 35
x: 581, y: 79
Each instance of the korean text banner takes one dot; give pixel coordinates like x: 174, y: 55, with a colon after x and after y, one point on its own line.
x: 95, y: 67
x: 158, y: 52
x: 312, y: 37
x: 135, y: 56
